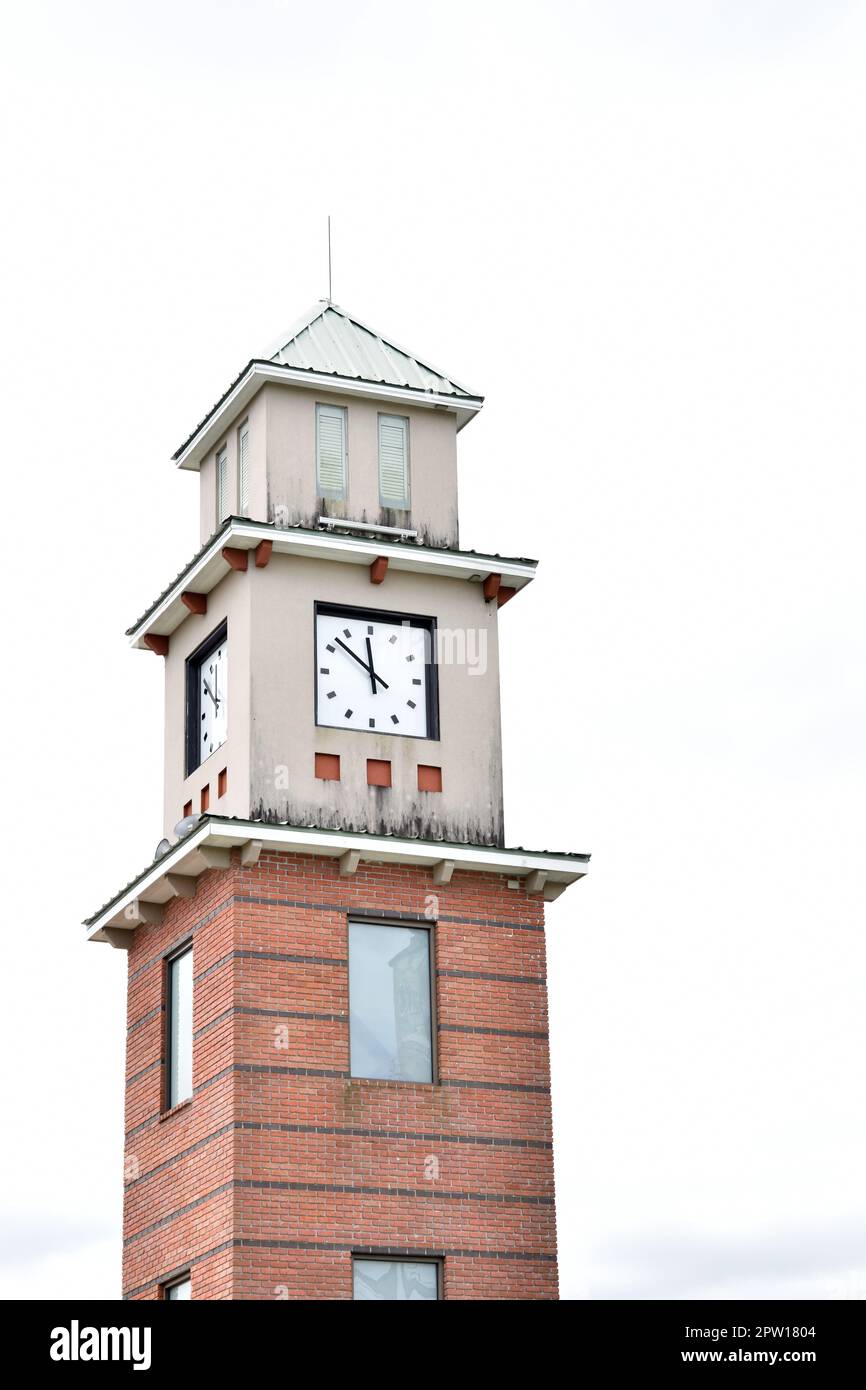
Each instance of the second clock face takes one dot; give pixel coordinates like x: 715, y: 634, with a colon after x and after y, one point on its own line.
x: 372, y: 672
x: 213, y: 700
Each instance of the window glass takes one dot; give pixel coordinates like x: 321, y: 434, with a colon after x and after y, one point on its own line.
x: 392, y: 1280
x: 390, y: 1015
x: 181, y: 1290
x: 180, y: 1028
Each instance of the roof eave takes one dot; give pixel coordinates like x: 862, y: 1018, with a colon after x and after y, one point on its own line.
x: 154, y: 886
x: 259, y: 372
x: 211, y: 566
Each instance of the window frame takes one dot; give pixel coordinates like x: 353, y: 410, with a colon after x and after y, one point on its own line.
x: 437, y: 1260
x: 361, y: 919
x: 185, y: 1278
x: 192, y: 761
x: 328, y: 494
x: 243, y: 429
x: 406, y: 504
x: 223, y: 508
x: 184, y: 948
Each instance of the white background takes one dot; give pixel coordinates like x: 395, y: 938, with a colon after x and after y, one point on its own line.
x: 638, y: 227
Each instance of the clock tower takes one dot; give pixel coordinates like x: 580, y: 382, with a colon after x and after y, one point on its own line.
x: 337, y: 1058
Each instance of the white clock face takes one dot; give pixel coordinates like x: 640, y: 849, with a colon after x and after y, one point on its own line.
x: 371, y: 673
x: 213, y: 704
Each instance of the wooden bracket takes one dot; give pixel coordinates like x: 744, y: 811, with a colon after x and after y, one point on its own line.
x: 121, y: 938
x: 491, y: 587
x: 552, y: 891
x: 181, y: 885
x: 263, y: 553
x: 534, y: 882
x: 349, y: 862
x: 236, y: 558
x: 443, y: 871
x: 379, y: 569
x: 250, y: 853
x: 215, y: 857
x: 155, y: 643
x: 196, y: 603
x: 141, y: 914
x: 505, y: 594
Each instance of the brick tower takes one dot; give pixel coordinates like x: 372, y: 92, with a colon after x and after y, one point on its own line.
x: 337, y: 1078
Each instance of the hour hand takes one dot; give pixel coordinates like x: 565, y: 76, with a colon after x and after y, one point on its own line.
x: 356, y: 657
x: 210, y: 693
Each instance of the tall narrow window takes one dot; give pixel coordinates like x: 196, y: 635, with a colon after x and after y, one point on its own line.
x: 390, y: 1002
x: 222, y: 485
x: 179, y: 1010
x: 394, y: 461
x: 331, y: 451
x: 180, y: 1289
x: 393, y: 1281
x: 244, y: 469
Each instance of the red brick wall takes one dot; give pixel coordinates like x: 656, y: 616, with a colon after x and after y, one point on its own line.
x: 281, y: 1164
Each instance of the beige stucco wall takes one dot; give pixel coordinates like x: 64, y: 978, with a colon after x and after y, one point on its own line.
x: 285, y: 738
x: 256, y: 413
x: 272, y: 738
x: 283, y: 465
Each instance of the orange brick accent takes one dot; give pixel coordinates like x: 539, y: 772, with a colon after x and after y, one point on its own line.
x: 429, y: 778
x: 282, y: 1164
x: 379, y: 569
x: 235, y: 557
x: 328, y: 767
x: 378, y: 772
x: 223, y: 782
x: 187, y: 809
x: 205, y: 798
x: 158, y: 645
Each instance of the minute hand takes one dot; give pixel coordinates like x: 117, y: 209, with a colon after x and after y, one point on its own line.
x: 369, y: 669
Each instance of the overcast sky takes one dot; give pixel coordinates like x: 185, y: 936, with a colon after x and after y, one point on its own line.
x: 638, y: 229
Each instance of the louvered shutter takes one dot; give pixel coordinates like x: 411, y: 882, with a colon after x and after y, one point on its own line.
x: 222, y: 467
x: 331, y: 450
x: 393, y: 461
x: 244, y: 469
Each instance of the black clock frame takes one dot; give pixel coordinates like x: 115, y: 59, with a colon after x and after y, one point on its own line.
x: 216, y: 639
x: 385, y: 615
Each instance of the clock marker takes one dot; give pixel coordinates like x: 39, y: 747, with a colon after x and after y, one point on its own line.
x: 416, y: 680
x: 410, y: 658
x: 394, y: 719
x: 331, y: 694
x: 372, y: 723
x: 411, y: 704
x: 348, y: 714
x: 324, y: 670
x: 370, y: 630
x: 392, y: 639
x: 346, y: 632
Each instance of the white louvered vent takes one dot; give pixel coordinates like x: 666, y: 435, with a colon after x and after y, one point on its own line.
x: 222, y: 482
x: 244, y: 470
x: 331, y: 450
x: 393, y: 461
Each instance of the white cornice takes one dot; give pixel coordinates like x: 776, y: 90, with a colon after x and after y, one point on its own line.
x: 257, y: 373
x: 552, y: 872
x: 211, y: 566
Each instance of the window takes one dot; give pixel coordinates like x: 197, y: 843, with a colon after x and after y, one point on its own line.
x: 180, y: 1289
x: 389, y: 1281
x: 331, y: 451
x: 390, y: 1002
x: 394, y: 461
x: 244, y: 469
x: 179, y: 1028
x: 222, y: 485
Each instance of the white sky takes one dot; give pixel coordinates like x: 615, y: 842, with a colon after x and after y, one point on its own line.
x: 639, y: 229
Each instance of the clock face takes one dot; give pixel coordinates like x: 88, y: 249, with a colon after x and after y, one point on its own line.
x: 213, y: 707
x: 374, y: 672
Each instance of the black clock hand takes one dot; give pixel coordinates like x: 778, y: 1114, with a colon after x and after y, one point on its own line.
x: 210, y: 693
x: 373, y: 676
x: 355, y: 657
